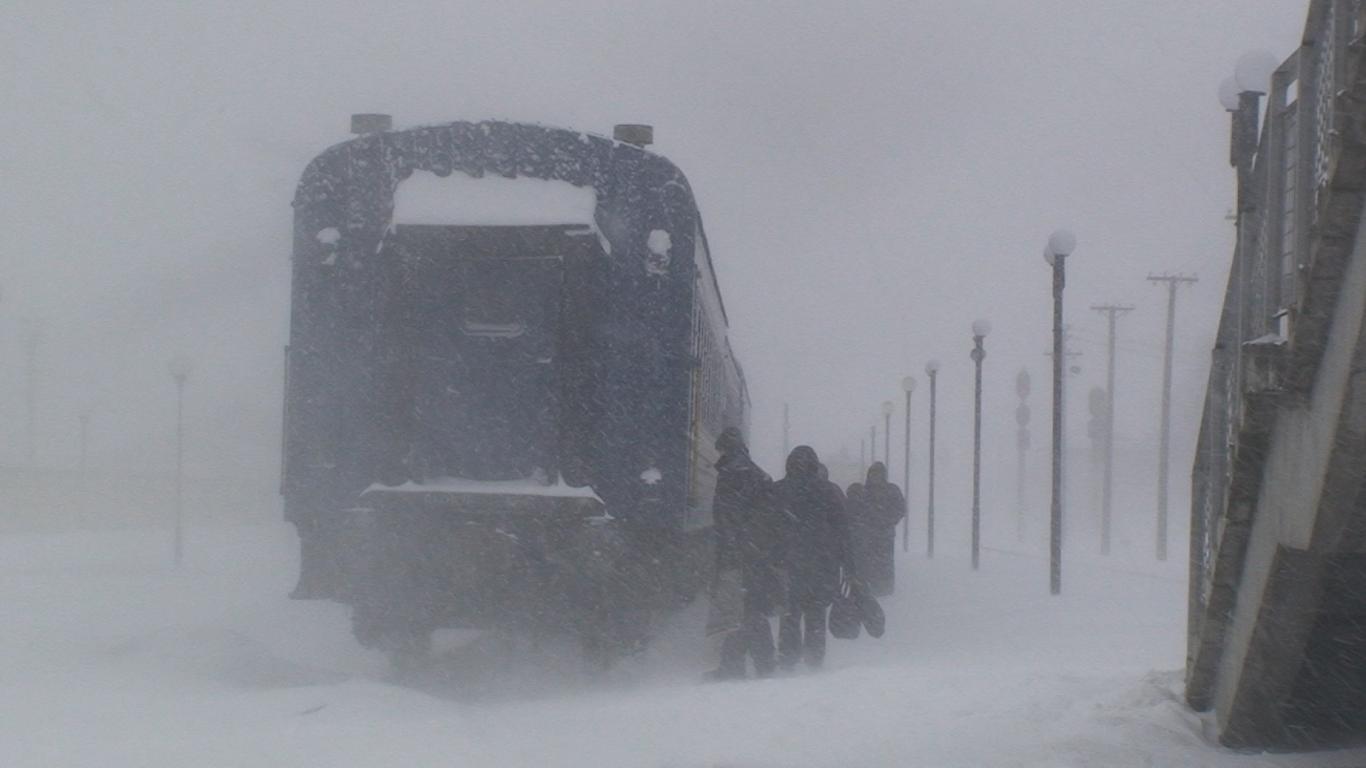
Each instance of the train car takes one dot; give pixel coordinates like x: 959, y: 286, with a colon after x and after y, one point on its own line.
x: 507, y: 365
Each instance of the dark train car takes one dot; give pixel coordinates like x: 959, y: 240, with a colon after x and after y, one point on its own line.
x: 507, y: 366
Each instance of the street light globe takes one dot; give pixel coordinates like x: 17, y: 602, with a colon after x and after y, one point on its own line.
x: 1061, y: 243
x: 1228, y: 94
x: 908, y: 384
x: 887, y: 407
x: 981, y: 327
x: 1254, y: 70
x: 180, y: 367
x: 931, y: 368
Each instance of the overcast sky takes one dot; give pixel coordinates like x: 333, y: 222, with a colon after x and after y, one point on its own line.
x: 873, y: 176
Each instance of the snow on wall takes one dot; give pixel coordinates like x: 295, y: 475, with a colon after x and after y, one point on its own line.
x: 659, y: 244
x: 461, y: 199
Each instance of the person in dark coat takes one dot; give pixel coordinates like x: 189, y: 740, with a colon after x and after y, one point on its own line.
x: 823, y: 472
x: 747, y: 539
x: 873, y: 515
x: 853, y: 497
x: 815, y: 551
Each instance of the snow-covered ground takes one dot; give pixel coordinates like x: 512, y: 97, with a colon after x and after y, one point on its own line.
x: 108, y: 658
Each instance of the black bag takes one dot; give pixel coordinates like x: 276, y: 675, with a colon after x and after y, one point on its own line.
x: 845, y: 615
x: 869, y: 612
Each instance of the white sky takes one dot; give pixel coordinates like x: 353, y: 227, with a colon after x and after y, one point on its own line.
x: 873, y: 177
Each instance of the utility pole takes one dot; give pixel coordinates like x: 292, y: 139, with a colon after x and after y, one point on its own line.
x: 84, y: 417
x: 1097, y: 403
x: 931, y: 370
x: 1111, y: 311
x: 1022, y: 386
x: 31, y: 341
x: 785, y: 424
x: 907, y: 386
x: 180, y: 368
x: 1172, y: 282
x: 1060, y: 245
x: 887, y: 409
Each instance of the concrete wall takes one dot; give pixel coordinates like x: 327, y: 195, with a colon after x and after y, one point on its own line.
x: 1306, y: 499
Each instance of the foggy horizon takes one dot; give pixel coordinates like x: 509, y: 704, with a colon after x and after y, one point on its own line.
x: 901, y: 209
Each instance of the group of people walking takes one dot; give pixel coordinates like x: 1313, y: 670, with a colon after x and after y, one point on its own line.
x: 788, y: 548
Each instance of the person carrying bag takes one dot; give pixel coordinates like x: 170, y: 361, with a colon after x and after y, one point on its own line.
x: 749, y: 586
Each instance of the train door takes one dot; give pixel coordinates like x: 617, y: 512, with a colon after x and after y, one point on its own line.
x: 495, y: 347
x: 485, y: 308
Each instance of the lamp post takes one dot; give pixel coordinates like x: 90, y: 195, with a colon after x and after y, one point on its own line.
x: 1021, y: 446
x: 1060, y: 244
x: 1097, y: 402
x: 932, y: 371
x: 84, y: 417
x: 980, y: 329
x: 32, y: 339
x: 907, y: 386
x: 785, y: 424
x: 887, y: 410
x: 1241, y: 96
x: 180, y: 367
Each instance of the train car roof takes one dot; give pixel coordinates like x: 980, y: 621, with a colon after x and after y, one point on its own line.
x: 495, y: 146
x: 505, y: 148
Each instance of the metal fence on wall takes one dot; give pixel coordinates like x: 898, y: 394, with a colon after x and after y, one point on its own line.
x: 1285, y: 154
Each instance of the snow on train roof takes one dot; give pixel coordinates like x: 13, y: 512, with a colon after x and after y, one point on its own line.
x: 491, y: 200
x: 527, y: 487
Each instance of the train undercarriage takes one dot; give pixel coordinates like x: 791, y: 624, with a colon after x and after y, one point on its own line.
x: 530, y: 566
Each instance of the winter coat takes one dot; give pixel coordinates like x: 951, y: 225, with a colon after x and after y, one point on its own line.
x: 853, y: 500
x: 748, y: 529
x: 816, y: 541
x: 873, y: 514
x: 881, y: 503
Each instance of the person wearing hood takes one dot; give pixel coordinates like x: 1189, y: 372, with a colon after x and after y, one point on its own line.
x: 824, y: 473
x: 747, y: 540
x: 815, y: 551
x: 853, y: 497
x: 873, y: 516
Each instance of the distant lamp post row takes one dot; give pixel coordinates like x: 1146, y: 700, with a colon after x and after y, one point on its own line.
x: 180, y: 368
x: 1060, y: 245
x: 908, y: 386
